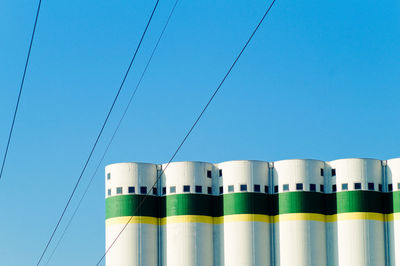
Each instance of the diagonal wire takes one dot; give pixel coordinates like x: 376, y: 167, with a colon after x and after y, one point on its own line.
x: 100, y: 133
x: 115, y: 131
x: 190, y: 130
x: 20, y: 90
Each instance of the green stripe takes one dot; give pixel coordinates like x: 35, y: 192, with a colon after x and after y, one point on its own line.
x: 244, y: 203
x: 126, y: 205
x: 355, y: 201
x: 298, y: 202
x: 254, y: 203
x: 186, y: 204
x: 393, y: 202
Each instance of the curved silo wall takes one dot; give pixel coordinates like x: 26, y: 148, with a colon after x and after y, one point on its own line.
x: 186, y: 214
x: 244, y: 219
x: 357, y: 212
x: 299, y: 224
x: 125, y: 185
x: 290, y: 212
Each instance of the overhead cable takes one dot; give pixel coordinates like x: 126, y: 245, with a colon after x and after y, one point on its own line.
x: 20, y: 89
x: 99, y: 134
x: 190, y: 130
x: 115, y: 132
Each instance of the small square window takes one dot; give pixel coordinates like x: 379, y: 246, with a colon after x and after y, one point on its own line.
x: 198, y: 189
x: 299, y: 186
x: 243, y: 187
x: 276, y: 189
x: 322, y: 172
x: 220, y: 172
x: 172, y: 189
x: 398, y: 186
x: 380, y: 187
x: 334, y: 188
x: 154, y: 191
x: 390, y: 187
x: 209, y: 173
x: 321, y: 188
x: 345, y: 186
x: 266, y: 189
x: 209, y: 190
x: 313, y: 187
x: 109, y: 192
x: 333, y: 172
x: 164, y: 190
x: 286, y: 187
x: 143, y: 190
x: 108, y: 176
x: 131, y: 190
x: 221, y: 190
x: 257, y: 188
x: 371, y: 186
x: 186, y: 188
x: 119, y: 190
x: 357, y: 186
x: 230, y: 188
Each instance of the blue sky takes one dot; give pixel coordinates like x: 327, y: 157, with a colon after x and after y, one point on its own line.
x: 319, y: 80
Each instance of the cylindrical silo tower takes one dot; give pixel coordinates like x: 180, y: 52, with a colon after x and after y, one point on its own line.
x: 393, y: 211
x: 299, y: 228
x: 187, y: 214
x: 245, y: 220
x: 359, y: 220
x: 126, y: 185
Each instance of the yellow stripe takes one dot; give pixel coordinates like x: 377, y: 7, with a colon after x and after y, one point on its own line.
x: 242, y: 218
x: 187, y: 219
x: 134, y: 220
x: 254, y: 218
x: 355, y: 216
x: 393, y: 217
x: 299, y: 217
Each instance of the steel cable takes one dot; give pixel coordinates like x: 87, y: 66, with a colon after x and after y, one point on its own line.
x: 190, y: 131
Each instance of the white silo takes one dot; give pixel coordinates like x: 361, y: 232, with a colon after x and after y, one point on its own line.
x: 359, y: 223
x: 126, y: 185
x: 299, y: 228
x: 187, y: 225
x: 246, y: 225
x: 393, y: 216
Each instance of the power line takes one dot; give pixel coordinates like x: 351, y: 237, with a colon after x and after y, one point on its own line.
x: 191, y: 129
x: 100, y: 133
x: 115, y: 131
x: 20, y: 90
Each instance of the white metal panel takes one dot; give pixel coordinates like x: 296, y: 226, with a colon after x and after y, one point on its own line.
x: 138, y: 244
x: 187, y: 243
x: 130, y: 174
x: 359, y: 242
x: 245, y: 242
x: 351, y: 171
x: 299, y: 242
x: 295, y: 171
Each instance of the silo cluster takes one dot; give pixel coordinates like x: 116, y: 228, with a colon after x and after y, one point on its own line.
x: 290, y: 212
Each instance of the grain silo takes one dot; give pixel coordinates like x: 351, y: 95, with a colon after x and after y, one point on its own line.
x: 359, y: 221
x: 292, y: 212
x: 186, y: 215
x: 244, y: 220
x: 126, y: 185
x: 299, y: 227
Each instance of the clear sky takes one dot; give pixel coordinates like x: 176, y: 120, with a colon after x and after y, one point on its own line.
x: 319, y: 80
